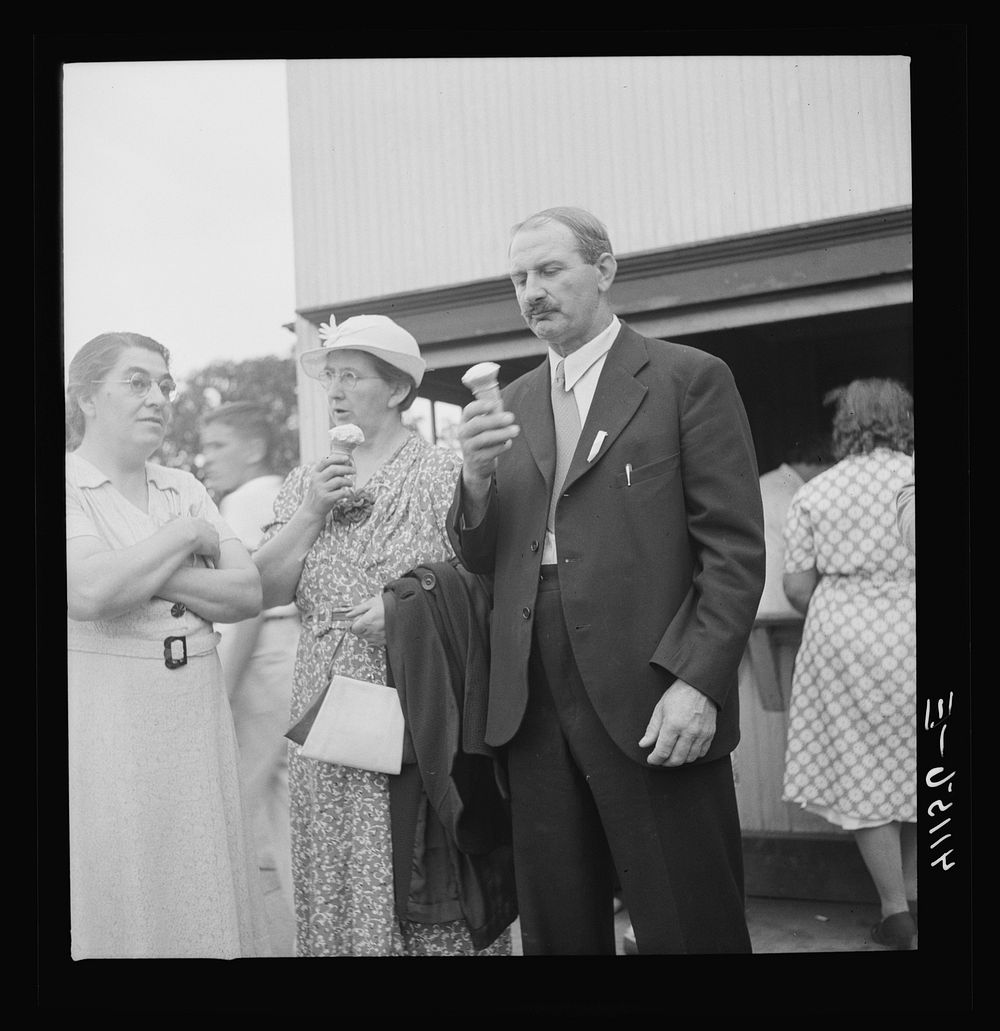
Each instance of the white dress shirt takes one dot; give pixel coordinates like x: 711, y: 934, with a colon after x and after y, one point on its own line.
x: 248, y: 509
x: 582, y: 370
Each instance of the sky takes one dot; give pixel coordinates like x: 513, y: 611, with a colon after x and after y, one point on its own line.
x: 177, y: 219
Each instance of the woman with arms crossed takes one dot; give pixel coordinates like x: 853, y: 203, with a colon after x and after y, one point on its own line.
x: 161, y: 865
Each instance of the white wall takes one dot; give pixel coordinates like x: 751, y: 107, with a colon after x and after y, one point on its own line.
x: 408, y: 173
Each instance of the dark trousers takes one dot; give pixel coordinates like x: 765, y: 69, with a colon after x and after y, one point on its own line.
x: 581, y: 809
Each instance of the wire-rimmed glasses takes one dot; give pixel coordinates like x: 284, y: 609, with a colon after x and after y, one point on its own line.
x: 348, y: 378
x: 141, y: 383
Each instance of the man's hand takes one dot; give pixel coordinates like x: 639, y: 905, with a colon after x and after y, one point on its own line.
x: 682, y: 726
x: 485, y: 432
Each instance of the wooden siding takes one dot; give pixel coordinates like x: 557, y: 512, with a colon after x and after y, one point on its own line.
x: 407, y: 173
x: 759, y: 759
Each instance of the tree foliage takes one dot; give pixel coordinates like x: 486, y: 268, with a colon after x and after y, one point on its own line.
x: 269, y: 381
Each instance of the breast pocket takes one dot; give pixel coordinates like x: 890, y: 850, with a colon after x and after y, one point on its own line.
x: 664, y: 468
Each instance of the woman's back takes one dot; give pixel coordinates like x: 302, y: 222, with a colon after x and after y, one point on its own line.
x: 843, y: 520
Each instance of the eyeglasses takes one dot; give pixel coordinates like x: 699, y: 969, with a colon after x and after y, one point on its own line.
x: 348, y: 379
x: 140, y: 384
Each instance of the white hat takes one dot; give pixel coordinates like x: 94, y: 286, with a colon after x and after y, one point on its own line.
x: 375, y: 334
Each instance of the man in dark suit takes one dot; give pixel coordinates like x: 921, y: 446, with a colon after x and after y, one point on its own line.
x: 620, y: 612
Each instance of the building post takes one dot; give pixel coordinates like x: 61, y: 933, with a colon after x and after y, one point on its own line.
x: 314, y: 417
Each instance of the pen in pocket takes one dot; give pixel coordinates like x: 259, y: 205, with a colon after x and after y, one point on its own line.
x: 628, y: 474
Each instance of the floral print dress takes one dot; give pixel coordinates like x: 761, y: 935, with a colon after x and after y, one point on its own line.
x: 341, y: 834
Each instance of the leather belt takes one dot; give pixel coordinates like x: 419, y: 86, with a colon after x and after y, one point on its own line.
x: 321, y: 621
x: 174, y: 650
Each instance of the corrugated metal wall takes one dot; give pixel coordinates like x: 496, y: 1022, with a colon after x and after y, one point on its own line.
x: 407, y: 173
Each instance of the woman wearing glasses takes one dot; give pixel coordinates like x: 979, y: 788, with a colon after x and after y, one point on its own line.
x: 161, y: 866
x: 343, y: 529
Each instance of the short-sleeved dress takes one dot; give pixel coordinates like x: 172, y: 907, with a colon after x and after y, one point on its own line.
x: 851, y: 754
x: 161, y: 865
x: 341, y: 834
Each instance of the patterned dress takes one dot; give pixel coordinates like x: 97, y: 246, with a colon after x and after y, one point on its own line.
x: 162, y: 865
x: 341, y: 834
x: 851, y: 753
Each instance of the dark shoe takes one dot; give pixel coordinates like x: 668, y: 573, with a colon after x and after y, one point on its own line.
x: 898, y: 931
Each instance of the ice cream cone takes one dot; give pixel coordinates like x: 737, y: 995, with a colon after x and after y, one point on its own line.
x: 483, y: 381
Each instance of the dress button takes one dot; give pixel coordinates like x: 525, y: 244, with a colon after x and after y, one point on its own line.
x: 428, y: 581
x: 526, y: 612
x: 534, y: 545
x: 178, y: 609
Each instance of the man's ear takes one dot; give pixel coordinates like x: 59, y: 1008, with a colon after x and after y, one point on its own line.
x: 256, y: 450
x: 607, y: 268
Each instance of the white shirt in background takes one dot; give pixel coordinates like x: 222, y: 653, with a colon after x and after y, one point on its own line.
x: 777, y: 488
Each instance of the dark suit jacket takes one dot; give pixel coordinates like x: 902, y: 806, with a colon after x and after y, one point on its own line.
x: 659, y: 579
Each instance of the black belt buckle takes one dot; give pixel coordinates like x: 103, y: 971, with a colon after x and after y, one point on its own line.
x: 168, y: 655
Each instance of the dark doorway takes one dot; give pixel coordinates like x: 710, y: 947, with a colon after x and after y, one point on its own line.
x: 784, y: 369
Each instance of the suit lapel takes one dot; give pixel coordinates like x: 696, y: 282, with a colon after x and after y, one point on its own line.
x: 616, y: 399
x: 534, y: 415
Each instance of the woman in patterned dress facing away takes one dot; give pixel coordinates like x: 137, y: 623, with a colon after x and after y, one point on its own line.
x: 851, y: 753
x: 161, y: 865
x: 344, y: 528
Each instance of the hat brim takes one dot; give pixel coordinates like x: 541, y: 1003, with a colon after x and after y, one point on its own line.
x: 314, y: 361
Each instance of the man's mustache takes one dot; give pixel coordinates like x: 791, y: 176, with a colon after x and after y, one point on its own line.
x: 536, y: 309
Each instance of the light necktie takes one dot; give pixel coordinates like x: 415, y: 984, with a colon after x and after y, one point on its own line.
x: 566, y: 417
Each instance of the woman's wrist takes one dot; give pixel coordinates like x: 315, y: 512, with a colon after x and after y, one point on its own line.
x: 307, y: 524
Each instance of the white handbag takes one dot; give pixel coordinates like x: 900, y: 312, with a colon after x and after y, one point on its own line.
x: 353, y: 723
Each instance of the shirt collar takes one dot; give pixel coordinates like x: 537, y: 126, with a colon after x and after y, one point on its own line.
x: 577, y: 363
x: 160, y: 475
x: 88, y: 475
